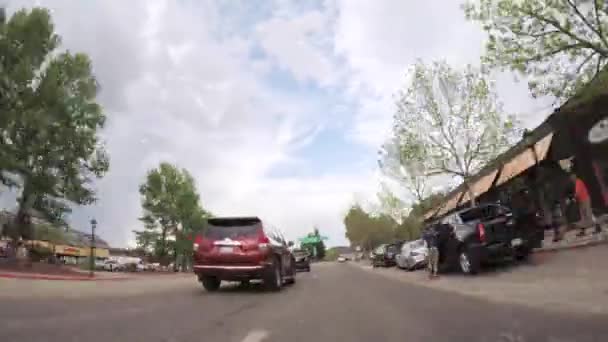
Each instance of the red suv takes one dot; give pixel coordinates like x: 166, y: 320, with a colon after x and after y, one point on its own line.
x: 241, y: 249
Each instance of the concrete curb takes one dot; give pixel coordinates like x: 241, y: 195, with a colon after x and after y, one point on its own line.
x: 587, y: 242
x: 31, y: 276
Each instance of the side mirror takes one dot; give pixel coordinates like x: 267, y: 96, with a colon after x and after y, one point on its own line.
x: 290, y: 244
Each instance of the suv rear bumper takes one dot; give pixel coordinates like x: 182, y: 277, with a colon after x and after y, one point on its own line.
x: 302, y: 265
x: 499, y: 251
x: 231, y: 272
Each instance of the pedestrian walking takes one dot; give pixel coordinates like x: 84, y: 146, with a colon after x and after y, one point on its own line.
x: 22, y: 255
x: 432, y: 242
x: 583, y: 200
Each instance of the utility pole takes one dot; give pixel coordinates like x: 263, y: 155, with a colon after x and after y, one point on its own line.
x: 92, y: 256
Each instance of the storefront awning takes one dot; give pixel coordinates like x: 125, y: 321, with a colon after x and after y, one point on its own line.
x: 481, y: 186
x: 429, y: 214
x: 517, y: 165
x: 449, y: 204
x: 542, y: 146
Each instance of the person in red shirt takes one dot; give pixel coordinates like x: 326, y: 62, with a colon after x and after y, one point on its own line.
x: 581, y: 194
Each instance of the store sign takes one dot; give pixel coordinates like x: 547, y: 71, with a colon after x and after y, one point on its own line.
x: 599, y: 132
x: 68, y: 250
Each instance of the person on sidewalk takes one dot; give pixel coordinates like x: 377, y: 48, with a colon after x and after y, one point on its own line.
x: 432, y: 242
x: 583, y: 200
x: 22, y: 255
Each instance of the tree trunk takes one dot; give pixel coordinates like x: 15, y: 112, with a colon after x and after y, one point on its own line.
x: 22, y: 220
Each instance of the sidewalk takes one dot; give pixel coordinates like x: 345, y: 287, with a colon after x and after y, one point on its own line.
x: 40, y: 276
x: 68, y: 289
x: 570, y: 240
x: 43, y: 271
x: 572, y: 280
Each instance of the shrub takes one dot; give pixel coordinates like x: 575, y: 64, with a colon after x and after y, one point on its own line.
x: 38, y: 253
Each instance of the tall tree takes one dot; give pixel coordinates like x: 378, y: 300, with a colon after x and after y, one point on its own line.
x: 410, y: 174
x: 367, y: 231
x: 559, y: 44
x: 145, y: 240
x: 50, y: 118
x: 450, y: 121
x: 422, y: 207
x: 172, y: 211
x: 390, y: 204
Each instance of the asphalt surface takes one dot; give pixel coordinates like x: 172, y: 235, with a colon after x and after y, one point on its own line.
x: 335, y: 302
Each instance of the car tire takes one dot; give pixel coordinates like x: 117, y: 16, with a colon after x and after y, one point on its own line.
x: 292, y: 279
x: 211, y: 284
x: 308, y: 269
x: 273, y: 281
x: 523, y: 254
x: 469, y: 263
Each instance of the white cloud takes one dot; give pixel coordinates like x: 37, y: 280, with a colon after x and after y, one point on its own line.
x: 179, y: 84
x: 294, y: 43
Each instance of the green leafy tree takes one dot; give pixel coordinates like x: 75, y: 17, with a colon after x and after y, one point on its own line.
x: 422, y: 207
x: 172, y: 212
x: 320, y: 246
x: 559, y: 44
x: 449, y: 122
x: 54, y: 235
x: 49, y: 120
x: 145, y: 240
x: 367, y: 231
x: 407, y: 172
x: 390, y: 204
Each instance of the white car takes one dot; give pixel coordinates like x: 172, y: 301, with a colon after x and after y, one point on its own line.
x: 341, y: 259
x: 100, y: 264
x: 112, y: 266
x: 413, y: 255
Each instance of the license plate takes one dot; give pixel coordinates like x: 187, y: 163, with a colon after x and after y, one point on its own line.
x: 516, y: 242
x: 225, y: 249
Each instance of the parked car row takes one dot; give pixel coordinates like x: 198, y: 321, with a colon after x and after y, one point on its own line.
x: 467, y: 239
x: 126, y: 265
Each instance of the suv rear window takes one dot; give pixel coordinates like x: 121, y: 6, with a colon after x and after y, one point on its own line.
x: 233, y: 228
x: 483, y: 212
x: 392, y: 249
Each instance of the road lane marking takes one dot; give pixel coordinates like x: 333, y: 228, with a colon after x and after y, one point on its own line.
x: 256, y: 336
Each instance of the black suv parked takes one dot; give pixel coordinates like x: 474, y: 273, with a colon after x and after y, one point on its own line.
x: 484, y: 233
x: 384, y: 255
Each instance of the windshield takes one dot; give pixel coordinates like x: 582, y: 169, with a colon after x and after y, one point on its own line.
x: 392, y: 249
x: 380, y: 249
x: 234, y: 232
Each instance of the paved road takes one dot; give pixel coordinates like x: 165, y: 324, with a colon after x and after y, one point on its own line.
x: 335, y: 302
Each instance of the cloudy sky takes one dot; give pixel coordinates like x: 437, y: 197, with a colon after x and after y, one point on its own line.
x: 276, y: 107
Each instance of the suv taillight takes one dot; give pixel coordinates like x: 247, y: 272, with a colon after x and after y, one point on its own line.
x: 201, y: 244
x: 481, y: 230
x: 263, y: 241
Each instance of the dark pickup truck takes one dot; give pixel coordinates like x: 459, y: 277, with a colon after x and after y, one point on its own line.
x: 486, y: 233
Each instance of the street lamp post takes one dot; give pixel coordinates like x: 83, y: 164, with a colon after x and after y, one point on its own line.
x: 92, y: 257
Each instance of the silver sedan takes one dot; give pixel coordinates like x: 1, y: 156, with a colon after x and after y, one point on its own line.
x: 413, y: 255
